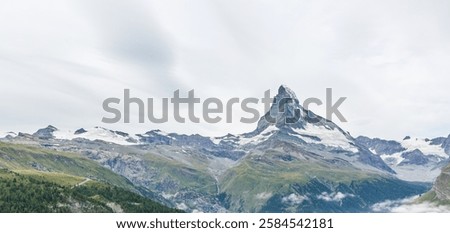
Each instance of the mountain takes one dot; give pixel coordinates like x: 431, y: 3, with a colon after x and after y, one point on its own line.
x: 96, y: 133
x: 294, y: 161
x: 7, y: 134
x: 412, y: 159
x: 308, y: 165
x: 310, y: 132
x: 34, y: 179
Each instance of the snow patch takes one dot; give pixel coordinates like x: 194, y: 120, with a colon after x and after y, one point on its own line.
x: 160, y: 132
x: 328, y: 137
x: 5, y: 134
x: 215, y: 140
x: 264, y: 135
x: 393, y: 159
x: 182, y: 206
x: 424, y: 146
x: 168, y: 196
x: 96, y: 133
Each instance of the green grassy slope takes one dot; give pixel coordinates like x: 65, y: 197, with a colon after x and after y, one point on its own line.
x: 193, y: 176
x: 31, y: 160
x: 48, y: 193
x: 264, y: 183
x: 33, y: 179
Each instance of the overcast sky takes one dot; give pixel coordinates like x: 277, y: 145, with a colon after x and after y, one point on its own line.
x: 60, y: 59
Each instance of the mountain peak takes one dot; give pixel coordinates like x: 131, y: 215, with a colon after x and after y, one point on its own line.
x: 45, y: 133
x: 286, y: 92
x: 51, y: 127
x: 80, y: 131
x: 285, y: 111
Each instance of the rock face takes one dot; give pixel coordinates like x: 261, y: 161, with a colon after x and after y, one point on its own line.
x: 440, y: 192
x: 442, y: 185
x: 285, y: 111
x: 80, y: 131
x: 380, y: 146
x: 45, y: 133
x: 446, y: 145
x: 415, y: 157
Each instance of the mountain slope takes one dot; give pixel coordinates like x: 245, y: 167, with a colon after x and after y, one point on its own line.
x: 440, y: 193
x: 288, y: 179
x: 23, y: 158
x: 42, y: 193
x: 65, y: 182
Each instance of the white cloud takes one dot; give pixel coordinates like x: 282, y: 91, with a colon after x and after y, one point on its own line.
x: 408, y: 205
x: 334, y: 196
x: 388, y: 205
x: 294, y: 199
x: 425, y: 207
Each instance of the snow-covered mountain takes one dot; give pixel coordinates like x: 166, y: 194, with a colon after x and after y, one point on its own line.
x: 91, y: 134
x: 413, y: 159
x: 96, y: 133
x: 288, y: 121
x: 292, y: 155
x: 7, y: 134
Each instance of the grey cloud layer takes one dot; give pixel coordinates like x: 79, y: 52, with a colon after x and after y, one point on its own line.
x: 59, y: 60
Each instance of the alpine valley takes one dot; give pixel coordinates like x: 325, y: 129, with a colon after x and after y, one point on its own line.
x: 307, y: 165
